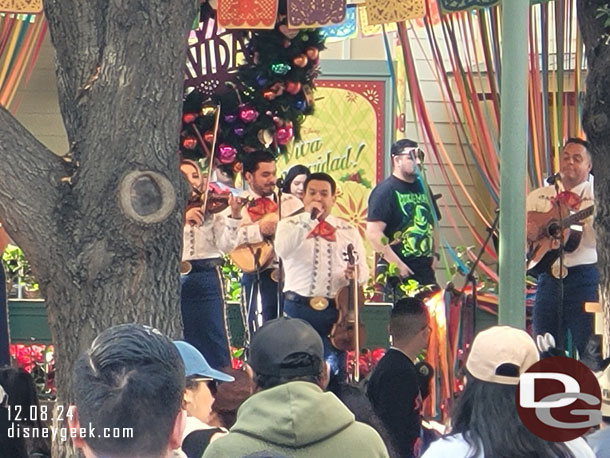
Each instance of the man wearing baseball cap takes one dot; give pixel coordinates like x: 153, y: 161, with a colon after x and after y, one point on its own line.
x: 290, y: 414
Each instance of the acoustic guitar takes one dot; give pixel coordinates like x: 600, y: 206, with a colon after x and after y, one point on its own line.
x: 249, y: 256
x: 544, y: 231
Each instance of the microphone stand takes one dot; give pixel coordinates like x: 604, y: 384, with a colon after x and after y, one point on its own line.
x: 280, y: 276
x: 471, y: 276
x: 560, y: 311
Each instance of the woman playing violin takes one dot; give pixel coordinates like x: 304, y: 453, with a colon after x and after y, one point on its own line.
x: 209, y: 232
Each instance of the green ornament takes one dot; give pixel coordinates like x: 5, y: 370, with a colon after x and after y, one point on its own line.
x: 305, y: 37
x: 280, y: 69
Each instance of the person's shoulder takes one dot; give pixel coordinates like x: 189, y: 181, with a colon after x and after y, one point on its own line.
x: 365, y: 434
x: 580, y: 448
x: 227, y: 446
x: 453, y: 445
x: 385, y: 184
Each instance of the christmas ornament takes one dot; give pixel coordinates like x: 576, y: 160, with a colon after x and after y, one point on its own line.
x: 300, y: 60
x: 265, y: 137
x: 208, y: 136
x: 280, y: 68
x: 290, y: 33
x: 239, y: 131
x: 229, y: 118
x: 293, y: 87
x: 247, y: 114
x: 226, y: 153
x: 284, y: 134
x: 189, y: 142
x: 189, y: 117
x: 300, y: 105
x: 208, y: 110
x: 261, y: 80
x: 312, y: 52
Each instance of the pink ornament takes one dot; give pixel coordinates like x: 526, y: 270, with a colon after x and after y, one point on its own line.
x: 283, y: 134
x: 226, y: 153
x: 247, y: 113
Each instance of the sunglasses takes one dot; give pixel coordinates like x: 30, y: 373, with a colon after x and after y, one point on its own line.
x: 413, y: 154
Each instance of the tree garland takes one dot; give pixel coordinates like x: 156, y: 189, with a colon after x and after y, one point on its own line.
x: 266, y: 103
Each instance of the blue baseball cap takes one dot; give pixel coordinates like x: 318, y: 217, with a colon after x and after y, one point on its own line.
x: 196, y: 365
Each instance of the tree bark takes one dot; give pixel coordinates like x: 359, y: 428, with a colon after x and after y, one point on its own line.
x: 101, y: 227
x: 596, y: 124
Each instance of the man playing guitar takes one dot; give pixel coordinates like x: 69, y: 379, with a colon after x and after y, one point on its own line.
x: 254, y: 240
x: 571, y: 192
x: 311, y: 246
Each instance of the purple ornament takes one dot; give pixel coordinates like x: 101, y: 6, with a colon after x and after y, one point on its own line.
x: 239, y: 131
x: 226, y: 153
x: 230, y: 118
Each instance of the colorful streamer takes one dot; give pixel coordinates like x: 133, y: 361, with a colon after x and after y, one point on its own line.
x: 21, y: 37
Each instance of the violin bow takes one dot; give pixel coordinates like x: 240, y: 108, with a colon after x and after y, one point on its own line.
x: 204, y: 199
x: 355, y: 299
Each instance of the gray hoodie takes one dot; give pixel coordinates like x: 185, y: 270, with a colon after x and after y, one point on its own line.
x: 297, y: 419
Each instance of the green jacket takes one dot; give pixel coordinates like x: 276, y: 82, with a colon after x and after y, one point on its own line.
x: 297, y: 419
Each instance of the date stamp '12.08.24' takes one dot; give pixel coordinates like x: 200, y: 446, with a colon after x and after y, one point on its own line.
x: 31, y: 422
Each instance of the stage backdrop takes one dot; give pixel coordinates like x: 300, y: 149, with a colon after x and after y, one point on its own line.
x: 349, y: 135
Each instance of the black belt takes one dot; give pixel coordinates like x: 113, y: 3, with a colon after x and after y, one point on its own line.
x: 199, y: 265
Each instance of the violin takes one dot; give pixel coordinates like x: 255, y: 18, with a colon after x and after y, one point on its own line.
x: 217, y: 199
x: 348, y: 332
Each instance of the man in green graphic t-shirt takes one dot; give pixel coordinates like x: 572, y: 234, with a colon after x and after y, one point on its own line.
x: 400, y: 222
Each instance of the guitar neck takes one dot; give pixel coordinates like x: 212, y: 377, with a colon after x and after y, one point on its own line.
x: 578, y: 216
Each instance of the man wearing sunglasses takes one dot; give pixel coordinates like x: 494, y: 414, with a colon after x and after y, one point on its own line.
x: 400, y: 222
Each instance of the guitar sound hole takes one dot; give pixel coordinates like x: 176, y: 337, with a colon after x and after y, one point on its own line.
x: 554, y: 230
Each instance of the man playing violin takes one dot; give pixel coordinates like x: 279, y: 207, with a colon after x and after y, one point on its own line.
x: 206, y: 238
x: 573, y: 188
x: 311, y: 246
x: 259, y: 222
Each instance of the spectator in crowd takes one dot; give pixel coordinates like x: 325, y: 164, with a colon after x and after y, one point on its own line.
x: 600, y: 439
x: 229, y: 396
x: 485, y: 422
x: 355, y: 399
x: 290, y: 414
x: 294, y: 183
x: 20, y: 434
x: 201, y: 381
x: 393, y: 387
x: 130, y: 380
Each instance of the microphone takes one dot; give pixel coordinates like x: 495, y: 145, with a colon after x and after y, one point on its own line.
x: 554, y: 178
x: 279, y: 183
x: 314, y: 213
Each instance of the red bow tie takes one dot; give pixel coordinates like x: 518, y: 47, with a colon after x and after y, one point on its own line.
x: 260, y: 207
x: 324, y: 230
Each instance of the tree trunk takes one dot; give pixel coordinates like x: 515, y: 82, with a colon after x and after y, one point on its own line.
x: 101, y: 227
x: 596, y: 123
